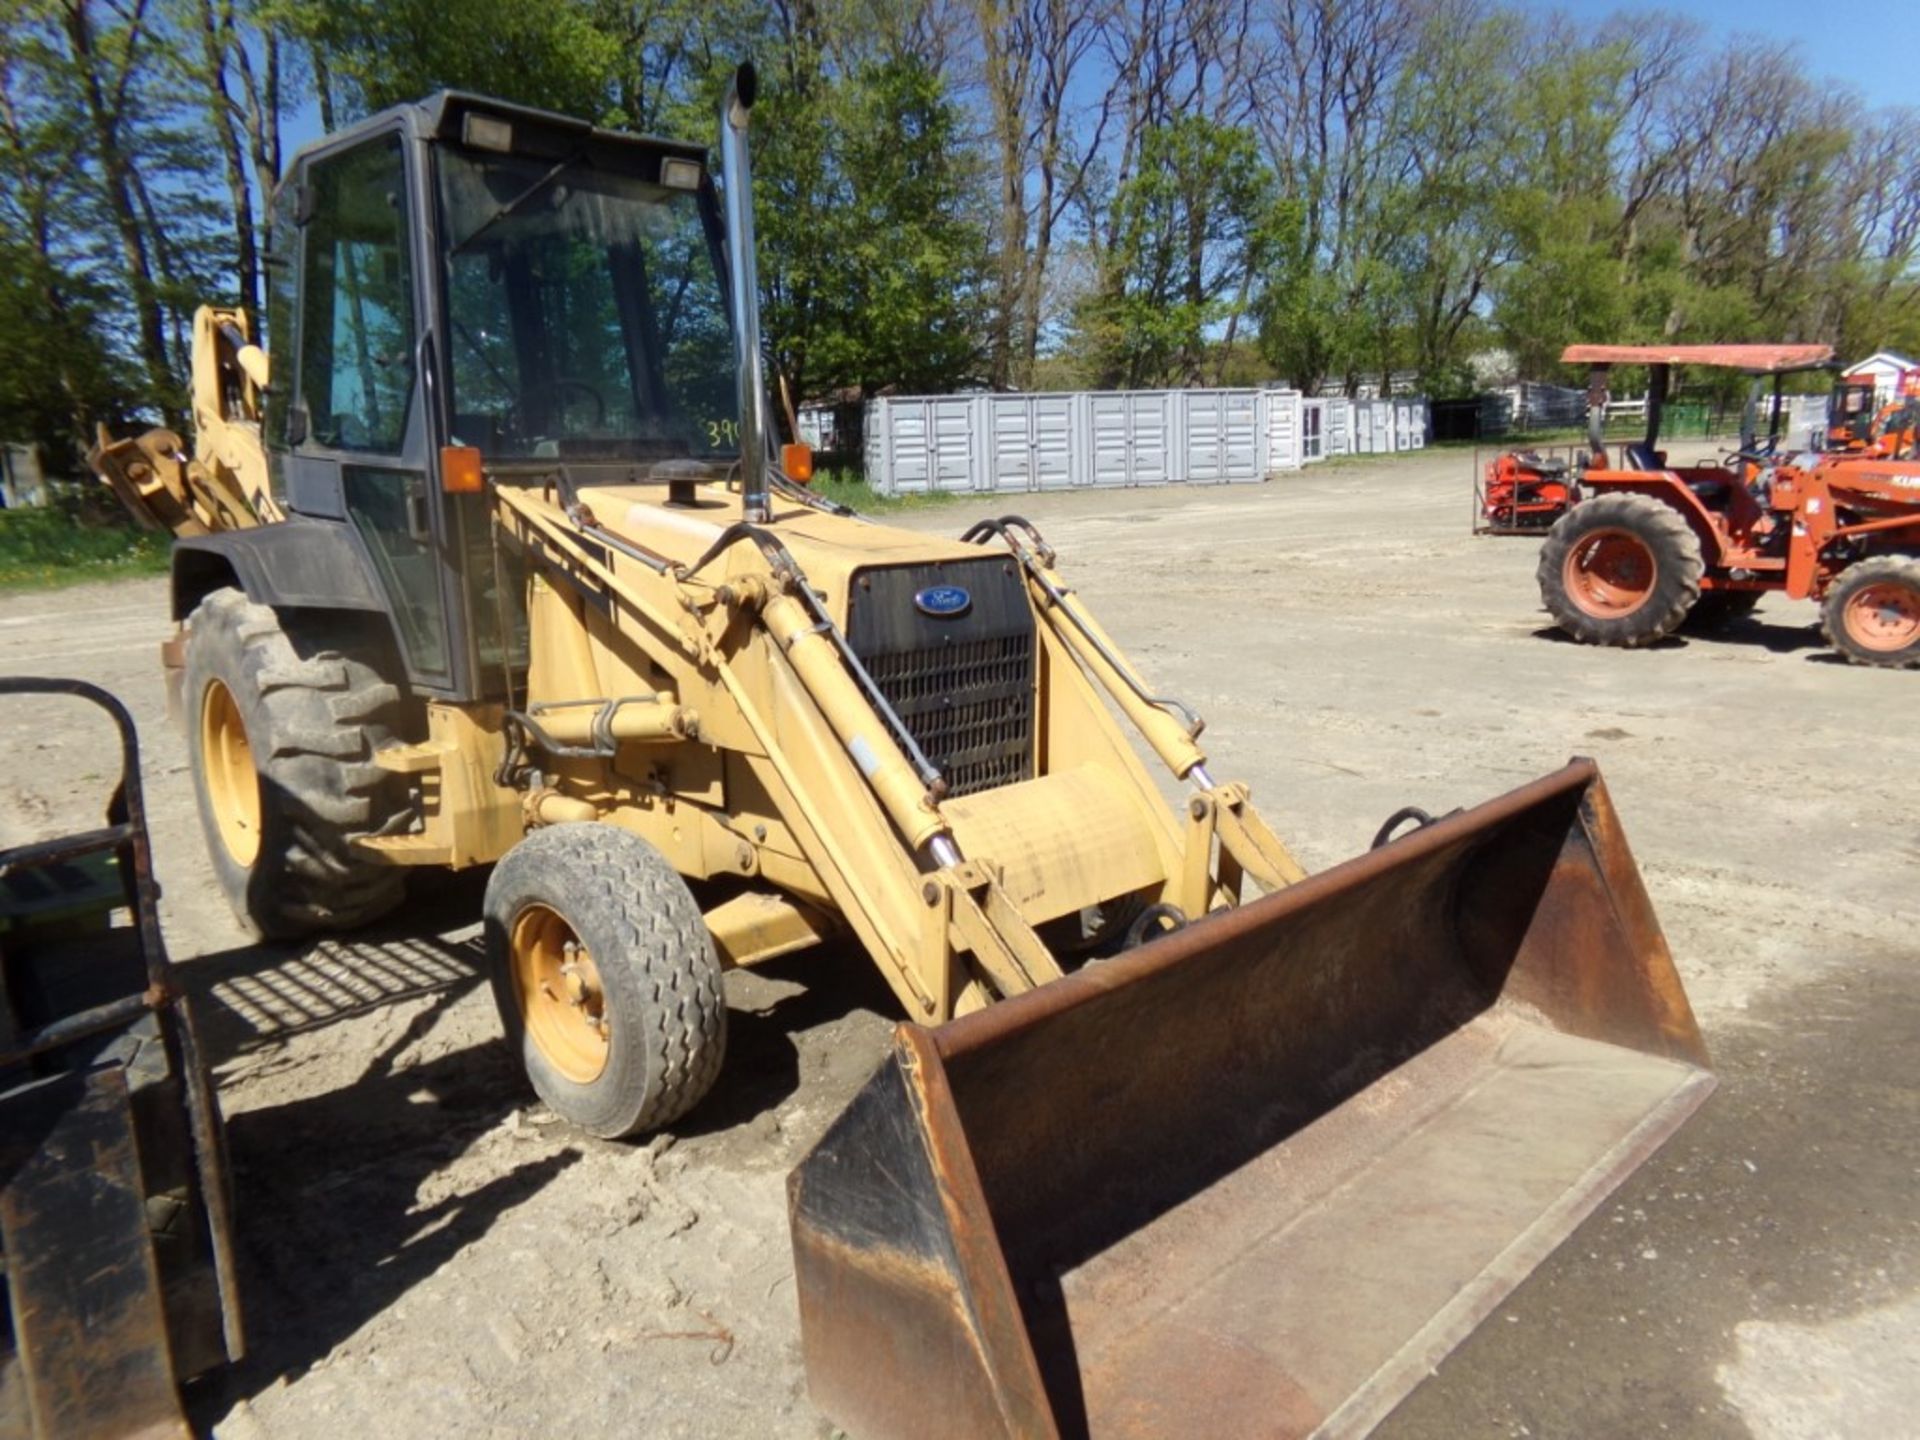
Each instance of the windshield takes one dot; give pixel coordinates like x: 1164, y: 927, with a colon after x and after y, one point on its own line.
x: 586, y: 315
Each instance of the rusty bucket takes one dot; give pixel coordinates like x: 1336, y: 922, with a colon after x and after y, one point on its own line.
x: 1258, y: 1177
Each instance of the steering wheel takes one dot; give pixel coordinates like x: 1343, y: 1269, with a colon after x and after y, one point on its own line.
x: 560, y: 384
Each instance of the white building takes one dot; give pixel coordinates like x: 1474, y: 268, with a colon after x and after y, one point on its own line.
x: 22, y: 482
x: 1886, y: 368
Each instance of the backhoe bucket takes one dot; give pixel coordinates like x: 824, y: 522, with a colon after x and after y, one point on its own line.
x: 1258, y: 1177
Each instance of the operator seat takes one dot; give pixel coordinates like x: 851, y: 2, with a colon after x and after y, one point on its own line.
x: 1640, y: 456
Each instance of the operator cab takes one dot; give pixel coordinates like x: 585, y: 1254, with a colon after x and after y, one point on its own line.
x: 463, y: 286
x: 1850, y: 413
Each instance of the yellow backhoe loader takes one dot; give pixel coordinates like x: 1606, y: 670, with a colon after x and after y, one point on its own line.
x: 496, y: 564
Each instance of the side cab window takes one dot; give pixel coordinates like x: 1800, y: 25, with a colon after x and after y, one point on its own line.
x: 356, y: 325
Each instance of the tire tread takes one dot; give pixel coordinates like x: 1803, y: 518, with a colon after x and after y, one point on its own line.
x: 615, y: 883
x: 326, y: 710
x: 1865, y: 572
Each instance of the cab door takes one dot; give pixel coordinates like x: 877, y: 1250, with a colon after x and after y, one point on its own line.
x: 358, y: 434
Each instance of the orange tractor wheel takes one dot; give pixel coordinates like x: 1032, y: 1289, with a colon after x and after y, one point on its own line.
x: 1620, y: 570
x: 1872, y: 613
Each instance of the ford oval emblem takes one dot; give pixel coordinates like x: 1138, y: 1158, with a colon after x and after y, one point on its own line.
x: 943, y: 600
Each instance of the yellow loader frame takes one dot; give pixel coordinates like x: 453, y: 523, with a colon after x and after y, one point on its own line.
x: 711, y: 705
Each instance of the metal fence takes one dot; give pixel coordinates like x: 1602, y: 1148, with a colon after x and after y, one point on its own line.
x: 1547, y: 407
x: 1089, y: 438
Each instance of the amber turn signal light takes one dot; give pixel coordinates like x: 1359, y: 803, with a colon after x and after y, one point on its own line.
x: 796, y: 462
x: 460, y: 472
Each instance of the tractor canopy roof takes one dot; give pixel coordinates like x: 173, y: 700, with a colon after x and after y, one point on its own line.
x: 1754, y: 359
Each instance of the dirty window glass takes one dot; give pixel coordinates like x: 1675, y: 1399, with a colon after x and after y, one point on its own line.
x: 378, y: 502
x: 357, y: 337
x: 585, y: 314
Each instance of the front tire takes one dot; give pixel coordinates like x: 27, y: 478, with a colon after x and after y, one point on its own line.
x: 283, y: 718
x: 1872, y: 613
x: 605, y: 977
x: 1620, y: 570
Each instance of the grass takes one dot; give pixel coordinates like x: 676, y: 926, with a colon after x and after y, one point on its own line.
x: 850, y: 487
x: 48, y: 547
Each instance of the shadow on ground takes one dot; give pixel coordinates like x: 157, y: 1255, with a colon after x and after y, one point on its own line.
x: 260, y: 994
x: 765, y: 1023
x: 1788, y: 1198
x: 331, y: 1229
x: 1561, y: 637
x: 1746, y: 632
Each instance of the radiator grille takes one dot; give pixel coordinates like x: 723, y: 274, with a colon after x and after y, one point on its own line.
x: 963, y: 685
x: 968, y: 704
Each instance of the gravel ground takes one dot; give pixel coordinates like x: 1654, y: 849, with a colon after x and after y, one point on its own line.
x: 427, y: 1252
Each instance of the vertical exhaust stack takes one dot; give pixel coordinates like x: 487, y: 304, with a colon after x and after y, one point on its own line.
x: 744, y: 282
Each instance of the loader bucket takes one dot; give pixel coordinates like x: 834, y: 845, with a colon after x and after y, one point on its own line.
x: 1258, y: 1177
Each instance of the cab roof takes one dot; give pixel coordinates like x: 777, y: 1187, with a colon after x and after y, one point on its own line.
x: 1754, y: 359
x: 443, y: 112
x: 538, y: 134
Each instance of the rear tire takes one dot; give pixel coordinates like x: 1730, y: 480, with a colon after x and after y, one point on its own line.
x: 1872, y: 613
x: 606, y: 978
x: 1620, y: 570
x: 283, y: 717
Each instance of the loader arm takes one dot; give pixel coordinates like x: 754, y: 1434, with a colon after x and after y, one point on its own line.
x: 947, y: 893
x: 223, y: 483
x: 1249, y: 845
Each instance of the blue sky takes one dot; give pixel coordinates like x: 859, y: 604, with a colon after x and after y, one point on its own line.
x: 1875, y: 47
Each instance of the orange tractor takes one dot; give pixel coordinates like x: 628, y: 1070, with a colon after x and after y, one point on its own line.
x: 1652, y: 545
x: 1850, y: 413
x: 1524, y: 492
x: 1857, y: 426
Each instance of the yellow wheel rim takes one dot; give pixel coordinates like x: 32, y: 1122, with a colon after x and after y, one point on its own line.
x: 233, y: 786
x: 558, y: 987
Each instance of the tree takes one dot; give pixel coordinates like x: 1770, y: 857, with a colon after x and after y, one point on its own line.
x: 61, y: 377
x: 556, y: 54
x: 110, y: 171
x: 1032, y: 51
x: 1190, y: 229
x: 872, y: 265
x: 1012, y: 191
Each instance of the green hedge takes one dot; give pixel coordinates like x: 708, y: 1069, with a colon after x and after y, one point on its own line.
x: 53, y: 545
